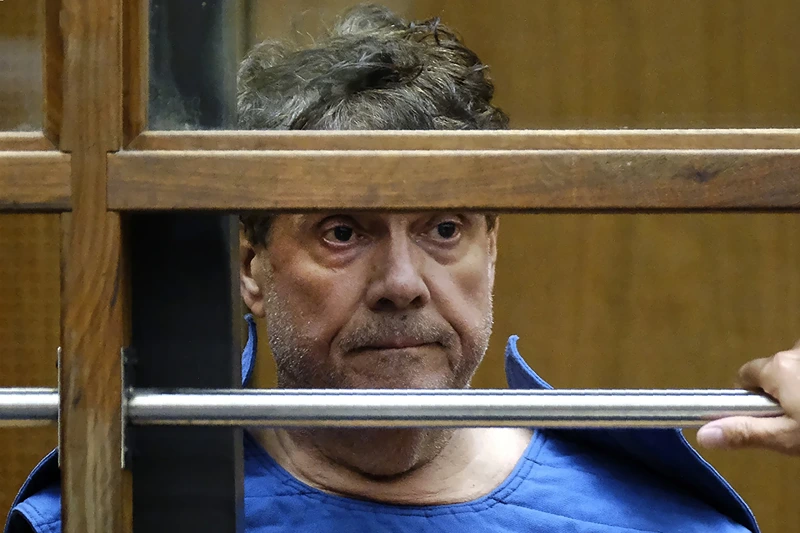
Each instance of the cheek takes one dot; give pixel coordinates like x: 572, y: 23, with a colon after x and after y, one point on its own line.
x: 318, y: 301
x: 464, y: 295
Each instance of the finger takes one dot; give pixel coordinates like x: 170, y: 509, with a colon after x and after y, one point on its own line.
x: 765, y: 373
x: 769, y: 374
x: 751, y: 374
x: 781, y: 434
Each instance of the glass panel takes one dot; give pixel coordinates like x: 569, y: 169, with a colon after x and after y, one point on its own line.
x: 30, y: 288
x: 20, y: 65
x: 663, y: 301
x: 192, y: 64
x: 587, y: 293
x: 555, y: 63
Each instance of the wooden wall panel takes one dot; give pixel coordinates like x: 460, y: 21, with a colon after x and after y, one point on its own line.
x: 633, y: 300
x: 30, y: 305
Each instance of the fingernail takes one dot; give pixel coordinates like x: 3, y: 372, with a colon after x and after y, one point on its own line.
x: 711, y: 437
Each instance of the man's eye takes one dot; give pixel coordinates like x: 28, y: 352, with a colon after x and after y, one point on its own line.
x: 447, y: 230
x: 340, y: 234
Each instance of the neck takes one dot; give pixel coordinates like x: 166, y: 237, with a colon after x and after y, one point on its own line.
x: 446, y: 467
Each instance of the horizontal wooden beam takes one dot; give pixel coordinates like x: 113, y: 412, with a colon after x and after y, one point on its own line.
x: 34, y: 181
x: 498, y: 180
x: 24, y: 141
x: 471, y: 140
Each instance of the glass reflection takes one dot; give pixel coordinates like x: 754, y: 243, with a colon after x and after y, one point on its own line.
x: 555, y: 63
x: 30, y: 286
x: 20, y: 65
x: 192, y: 63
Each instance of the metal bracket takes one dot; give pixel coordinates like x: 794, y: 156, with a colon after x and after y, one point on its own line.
x: 127, y: 366
x: 58, y: 421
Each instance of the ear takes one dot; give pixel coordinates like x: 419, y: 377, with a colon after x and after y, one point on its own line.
x: 251, y: 291
x: 493, y: 249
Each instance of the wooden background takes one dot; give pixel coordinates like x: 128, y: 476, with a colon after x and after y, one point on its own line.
x: 598, y: 300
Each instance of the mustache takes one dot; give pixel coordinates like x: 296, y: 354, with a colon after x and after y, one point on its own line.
x: 385, y: 330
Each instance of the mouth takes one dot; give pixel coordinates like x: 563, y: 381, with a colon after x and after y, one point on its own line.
x: 397, y: 345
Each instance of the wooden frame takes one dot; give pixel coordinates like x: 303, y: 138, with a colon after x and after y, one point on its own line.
x: 509, y: 180
x: 690, y: 139
x: 94, y: 296
x: 134, y: 68
x: 53, y: 71
x: 27, y: 142
x: 34, y: 181
x: 34, y: 175
x: 95, y: 104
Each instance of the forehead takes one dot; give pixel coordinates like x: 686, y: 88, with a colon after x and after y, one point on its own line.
x: 298, y: 222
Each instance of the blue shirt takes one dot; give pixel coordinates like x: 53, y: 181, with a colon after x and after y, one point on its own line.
x: 575, y: 481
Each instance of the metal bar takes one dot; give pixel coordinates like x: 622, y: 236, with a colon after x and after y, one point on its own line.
x: 405, y: 408
x: 25, y: 407
x: 456, y: 408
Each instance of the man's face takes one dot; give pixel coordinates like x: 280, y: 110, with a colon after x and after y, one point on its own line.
x: 374, y: 300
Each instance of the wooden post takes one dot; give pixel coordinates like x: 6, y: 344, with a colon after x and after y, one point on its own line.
x: 93, y: 282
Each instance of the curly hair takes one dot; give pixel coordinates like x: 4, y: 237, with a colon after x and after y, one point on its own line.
x: 373, y: 71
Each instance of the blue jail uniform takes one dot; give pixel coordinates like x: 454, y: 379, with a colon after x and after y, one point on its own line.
x: 571, y: 481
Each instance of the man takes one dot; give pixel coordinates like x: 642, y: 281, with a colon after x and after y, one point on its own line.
x: 404, y: 300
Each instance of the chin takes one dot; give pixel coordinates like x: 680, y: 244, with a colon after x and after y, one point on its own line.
x: 403, y: 384
x: 402, y: 378
x: 400, y: 369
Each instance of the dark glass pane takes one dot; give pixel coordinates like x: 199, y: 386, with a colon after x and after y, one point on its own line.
x: 192, y: 64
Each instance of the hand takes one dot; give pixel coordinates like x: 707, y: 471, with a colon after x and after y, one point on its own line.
x: 778, y: 376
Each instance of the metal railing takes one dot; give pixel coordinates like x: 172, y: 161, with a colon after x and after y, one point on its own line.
x: 408, y: 408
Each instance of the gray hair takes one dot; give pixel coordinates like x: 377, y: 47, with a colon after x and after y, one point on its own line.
x: 374, y: 71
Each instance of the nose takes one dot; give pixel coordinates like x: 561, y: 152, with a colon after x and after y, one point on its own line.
x: 397, y: 282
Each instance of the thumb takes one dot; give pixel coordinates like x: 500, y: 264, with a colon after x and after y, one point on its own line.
x: 779, y: 433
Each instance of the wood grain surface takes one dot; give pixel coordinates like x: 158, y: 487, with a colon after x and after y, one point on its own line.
x: 34, y: 181
x: 91, y: 73
x: 28, y: 141
x: 53, y: 72
x: 502, y: 180
x: 135, y: 51
x: 470, y: 140
x: 93, y: 304
x: 92, y: 334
